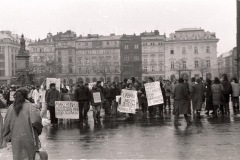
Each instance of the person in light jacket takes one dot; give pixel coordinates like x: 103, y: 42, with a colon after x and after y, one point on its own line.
x: 17, y: 127
x: 235, y: 95
x: 216, y: 95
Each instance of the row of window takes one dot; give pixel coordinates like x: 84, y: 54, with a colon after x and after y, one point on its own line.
x: 135, y: 57
x: 108, y: 51
x: 152, y: 44
x: 98, y: 43
x: 89, y: 70
x: 41, y: 50
x: 197, y: 64
x: 153, y: 68
x: 136, y: 46
x: 195, y: 50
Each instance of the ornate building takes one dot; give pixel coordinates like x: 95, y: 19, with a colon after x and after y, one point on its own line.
x: 9, y: 47
x: 191, y: 52
x: 43, y: 59
x: 153, y: 55
x: 98, y: 58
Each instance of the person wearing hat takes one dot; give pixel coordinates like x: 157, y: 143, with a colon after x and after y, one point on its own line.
x: 52, y: 95
x: 21, y: 119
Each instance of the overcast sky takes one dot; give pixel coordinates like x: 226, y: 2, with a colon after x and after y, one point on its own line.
x: 35, y: 18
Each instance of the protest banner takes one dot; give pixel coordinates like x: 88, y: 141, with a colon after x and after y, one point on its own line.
x: 66, y: 110
x: 90, y: 85
x: 11, y: 98
x: 117, y: 98
x: 57, y: 81
x: 128, y: 101
x: 154, y: 93
x: 97, y: 97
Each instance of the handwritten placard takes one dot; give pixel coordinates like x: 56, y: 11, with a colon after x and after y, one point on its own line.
x: 154, y: 93
x: 97, y: 97
x: 128, y: 101
x: 66, y: 110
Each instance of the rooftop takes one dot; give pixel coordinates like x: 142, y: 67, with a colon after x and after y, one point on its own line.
x: 189, y: 29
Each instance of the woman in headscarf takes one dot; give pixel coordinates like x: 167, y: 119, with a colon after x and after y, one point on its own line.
x: 19, y: 120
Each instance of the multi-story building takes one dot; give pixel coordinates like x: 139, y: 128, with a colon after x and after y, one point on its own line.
x: 98, y: 58
x: 153, y: 64
x: 9, y: 47
x: 42, y: 58
x: 191, y: 52
x: 131, y: 57
x: 66, y: 56
x: 227, y: 63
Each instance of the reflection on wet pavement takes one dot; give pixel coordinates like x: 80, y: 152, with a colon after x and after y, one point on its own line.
x: 207, y: 138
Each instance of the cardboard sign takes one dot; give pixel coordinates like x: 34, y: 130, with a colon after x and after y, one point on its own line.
x: 66, y: 110
x: 90, y: 85
x: 117, y: 98
x: 154, y: 93
x: 11, y: 98
x: 97, y: 97
x: 128, y: 101
x: 57, y: 81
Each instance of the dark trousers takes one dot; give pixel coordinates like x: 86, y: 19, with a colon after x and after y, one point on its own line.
x: 144, y: 106
x: 176, y: 117
x: 83, y: 110
x: 53, y: 118
x: 108, y: 107
x: 168, y: 101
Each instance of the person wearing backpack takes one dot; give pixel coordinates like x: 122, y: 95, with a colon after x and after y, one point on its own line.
x: 226, y: 89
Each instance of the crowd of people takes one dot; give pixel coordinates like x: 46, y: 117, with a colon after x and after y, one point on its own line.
x: 30, y: 104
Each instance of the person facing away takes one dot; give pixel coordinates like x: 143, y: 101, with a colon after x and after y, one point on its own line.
x: 198, y: 96
x: 36, y: 95
x: 226, y: 88
x: 52, y: 95
x: 235, y: 95
x: 181, y: 102
x: 17, y: 127
x: 216, y: 95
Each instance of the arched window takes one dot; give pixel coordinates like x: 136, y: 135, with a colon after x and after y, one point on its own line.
x: 102, y: 79
x: 116, y: 79
x: 87, y: 80
x: 94, y: 79
x: 70, y: 82
x: 109, y: 79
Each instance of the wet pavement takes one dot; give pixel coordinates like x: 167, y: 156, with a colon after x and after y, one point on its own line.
x: 115, y: 138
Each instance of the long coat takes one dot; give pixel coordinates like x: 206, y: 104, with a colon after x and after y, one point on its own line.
x: 216, y: 94
x: 197, y: 96
x: 209, y: 101
x: 181, y: 99
x: 17, y: 129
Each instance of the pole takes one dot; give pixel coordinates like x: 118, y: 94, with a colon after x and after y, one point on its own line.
x: 238, y: 35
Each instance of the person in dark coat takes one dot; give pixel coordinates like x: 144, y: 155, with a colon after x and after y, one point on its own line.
x: 181, y: 102
x: 81, y: 95
x: 216, y: 95
x: 209, y: 101
x: 226, y: 88
x: 109, y: 96
x: 17, y: 127
x: 198, y: 97
x: 52, y: 95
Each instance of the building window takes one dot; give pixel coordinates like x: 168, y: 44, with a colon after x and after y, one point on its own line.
x: 172, y: 65
x: 196, y: 64
x: 195, y: 49
x: 183, y: 50
x: 208, y: 49
x: 160, y: 68
x: 59, y: 53
x: 59, y: 60
x: 145, y: 68
x: 136, y: 46
x: 63, y: 44
x: 152, y: 44
x: 126, y: 47
x: 41, y: 59
x: 172, y: 51
x: 70, y: 69
x: 42, y: 70
x: 70, y: 60
x: 136, y: 58
x: 184, y: 64
x: 69, y: 52
x: 108, y: 43
x: 126, y: 57
x: 153, y: 68
x: 35, y: 59
x: 2, y: 64
x: 208, y: 63
x: 2, y: 73
x: 59, y: 69
x: 1, y: 48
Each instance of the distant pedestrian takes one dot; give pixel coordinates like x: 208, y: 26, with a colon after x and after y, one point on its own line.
x: 198, y: 97
x: 209, y: 100
x: 216, y: 95
x: 17, y: 129
x: 235, y: 95
x: 181, y: 102
x: 226, y: 88
x: 52, y: 95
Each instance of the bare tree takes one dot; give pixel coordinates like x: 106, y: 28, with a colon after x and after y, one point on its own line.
x: 202, y: 67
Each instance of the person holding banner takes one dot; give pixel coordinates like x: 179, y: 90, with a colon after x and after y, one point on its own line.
x: 181, y: 102
x: 52, y: 95
x: 96, y: 101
